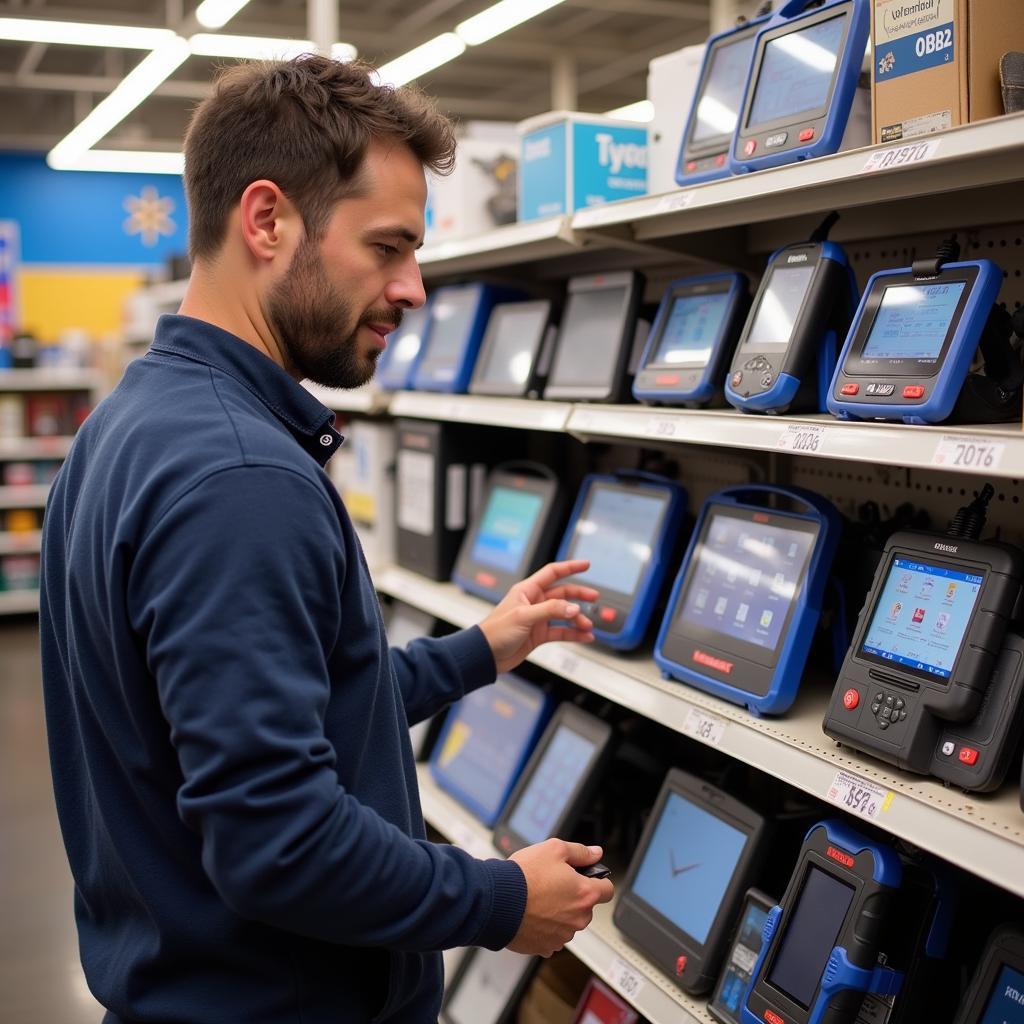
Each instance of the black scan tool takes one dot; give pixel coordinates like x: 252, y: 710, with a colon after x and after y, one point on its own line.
x: 696, y: 858
x: 739, y: 965
x: 516, y: 351
x: 557, y: 782
x: 931, y: 638
x: 996, y: 993
x: 487, y: 986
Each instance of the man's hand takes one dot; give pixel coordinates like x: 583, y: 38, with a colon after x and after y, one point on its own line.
x: 559, y: 901
x: 522, y: 621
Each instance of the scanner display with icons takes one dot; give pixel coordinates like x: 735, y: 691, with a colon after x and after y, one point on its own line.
x: 487, y: 739
x: 915, y: 334
x: 486, y: 987
x: 802, y: 82
x: 735, y: 977
x: 516, y: 350
x: 786, y: 354
x: 704, y: 152
x: 996, y: 992
x: 558, y: 782
x: 820, y: 946
x: 397, y: 363
x: 596, y: 338
x: 745, y: 605
x: 514, y: 531
x: 625, y: 525
x: 458, y: 319
x: 692, y: 341
x: 697, y: 856
x: 934, y: 678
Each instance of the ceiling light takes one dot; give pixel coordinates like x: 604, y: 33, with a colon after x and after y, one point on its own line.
x: 133, y: 161
x: 214, y: 44
x: 642, y: 110
x: 500, y: 18
x: 217, y: 13
x: 430, y: 55
x: 73, y: 33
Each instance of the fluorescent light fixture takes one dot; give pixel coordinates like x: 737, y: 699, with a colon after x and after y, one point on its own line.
x: 642, y: 110
x: 154, y: 69
x: 217, y: 13
x: 499, y: 18
x: 74, y: 33
x: 432, y: 54
x: 133, y: 161
x: 215, y: 44
x: 344, y: 51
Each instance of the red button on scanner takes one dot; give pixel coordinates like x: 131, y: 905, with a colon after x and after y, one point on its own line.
x: 773, y: 1018
x: 607, y: 614
x: 680, y: 965
x: 485, y: 579
x: 691, y: 166
x: 720, y: 160
x: 913, y: 391
x: 968, y: 755
x: 851, y: 699
x: 666, y: 378
x: 849, y: 389
x: 807, y: 134
x: 750, y: 147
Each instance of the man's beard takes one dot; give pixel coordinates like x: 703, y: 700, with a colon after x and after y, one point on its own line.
x: 309, y: 319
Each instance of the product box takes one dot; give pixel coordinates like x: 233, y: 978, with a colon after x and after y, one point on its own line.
x: 936, y: 63
x: 671, y: 83
x: 568, y: 161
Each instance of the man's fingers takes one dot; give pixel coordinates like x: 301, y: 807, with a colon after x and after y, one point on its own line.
x: 573, y: 592
x: 551, y: 573
x: 606, y: 890
x: 545, y: 611
x: 564, y: 634
x: 579, y: 856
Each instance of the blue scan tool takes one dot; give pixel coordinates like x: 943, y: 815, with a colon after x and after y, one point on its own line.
x: 398, y: 361
x: 745, y: 605
x: 819, y: 949
x: 786, y: 355
x: 626, y: 526
x: 912, y: 341
x: 704, y: 152
x: 487, y: 739
x: 803, y: 77
x: 458, y: 319
x: 692, y: 340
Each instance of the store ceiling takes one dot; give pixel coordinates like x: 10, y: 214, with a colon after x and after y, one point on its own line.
x: 601, y: 47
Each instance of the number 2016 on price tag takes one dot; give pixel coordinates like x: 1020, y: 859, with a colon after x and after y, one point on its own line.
x: 977, y: 453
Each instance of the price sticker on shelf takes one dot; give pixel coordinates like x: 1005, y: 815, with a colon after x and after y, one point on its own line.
x: 568, y: 664
x: 959, y: 451
x: 704, y: 727
x: 675, y: 201
x: 901, y: 156
x: 801, y: 437
x: 625, y: 980
x: 858, y: 796
x: 660, y: 426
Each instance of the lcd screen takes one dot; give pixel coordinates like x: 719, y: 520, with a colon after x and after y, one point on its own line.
x: 738, y: 971
x: 810, y: 936
x: 922, y: 616
x: 718, y: 108
x: 779, y: 307
x: 451, y: 318
x: 796, y: 72
x: 744, y: 577
x: 506, y: 527
x: 513, y: 348
x: 693, y: 325
x: 485, y: 987
x: 688, y: 866
x: 913, y: 320
x: 545, y: 797
x: 1006, y: 1003
x: 588, y: 345
x: 616, y: 534
x: 403, y: 348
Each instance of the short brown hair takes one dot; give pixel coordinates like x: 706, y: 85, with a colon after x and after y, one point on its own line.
x: 304, y: 124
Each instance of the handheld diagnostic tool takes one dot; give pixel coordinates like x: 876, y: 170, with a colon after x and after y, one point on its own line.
x: 595, y: 340
x: 626, y: 526
x: 398, y: 361
x: 820, y: 946
x: 692, y: 340
x: 558, y: 781
x: 996, y: 992
x: 516, y: 351
x: 704, y: 152
x: 458, y: 318
x: 686, y: 881
x: 486, y: 740
x: 600, y: 1005
x: 487, y: 987
x: 739, y: 965
x: 746, y: 602
x: 913, y: 338
x: 513, y: 532
x: 802, y: 82
x: 931, y: 639
x: 786, y: 354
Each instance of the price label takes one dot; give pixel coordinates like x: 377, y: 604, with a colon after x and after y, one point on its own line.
x: 568, y: 664
x: 960, y: 452
x: 625, y: 979
x: 801, y: 437
x: 675, y: 201
x: 858, y: 796
x: 660, y: 426
x: 900, y: 156
x: 704, y: 727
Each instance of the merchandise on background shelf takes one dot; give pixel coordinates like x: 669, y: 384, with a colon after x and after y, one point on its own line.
x: 516, y: 352
x: 996, y: 993
x: 19, y: 572
x: 487, y: 987
x: 23, y: 350
x: 671, y: 81
x: 19, y: 474
x: 802, y: 84
x: 12, y: 415
x: 21, y: 520
x: 46, y: 471
x: 745, y: 604
x: 600, y: 1005
x: 397, y: 362
x: 366, y: 482
x: 734, y: 980
x: 47, y: 415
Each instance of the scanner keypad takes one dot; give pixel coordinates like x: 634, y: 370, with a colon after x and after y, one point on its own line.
x: 888, y: 709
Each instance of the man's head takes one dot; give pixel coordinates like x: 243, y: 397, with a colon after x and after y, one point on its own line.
x: 315, y: 175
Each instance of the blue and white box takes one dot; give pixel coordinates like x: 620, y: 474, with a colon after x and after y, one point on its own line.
x: 568, y: 161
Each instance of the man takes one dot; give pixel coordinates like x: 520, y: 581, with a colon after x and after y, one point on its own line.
x: 228, y: 728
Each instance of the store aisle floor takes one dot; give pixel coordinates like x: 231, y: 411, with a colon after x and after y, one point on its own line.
x: 40, y: 976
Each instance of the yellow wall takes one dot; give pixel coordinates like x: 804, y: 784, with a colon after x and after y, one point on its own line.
x: 52, y: 300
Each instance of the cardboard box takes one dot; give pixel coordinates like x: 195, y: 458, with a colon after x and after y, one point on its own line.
x: 568, y: 161
x: 936, y: 63
x: 671, y: 83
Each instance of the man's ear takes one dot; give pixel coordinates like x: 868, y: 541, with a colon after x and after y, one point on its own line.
x: 270, y: 223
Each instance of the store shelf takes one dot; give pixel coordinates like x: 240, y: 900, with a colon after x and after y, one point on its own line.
x: 24, y: 497
x: 367, y: 399
x: 35, y: 447
x: 20, y: 543
x: 522, y: 413
x: 600, y: 947
x: 49, y: 379
x: 985, y: 834
x: 19, y: 602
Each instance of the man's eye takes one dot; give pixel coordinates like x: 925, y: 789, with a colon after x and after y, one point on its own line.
x: 386, y: 250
